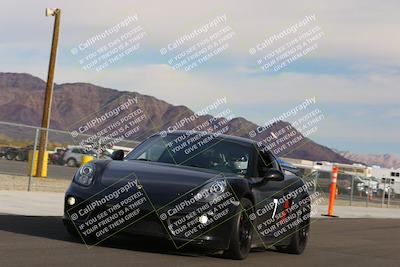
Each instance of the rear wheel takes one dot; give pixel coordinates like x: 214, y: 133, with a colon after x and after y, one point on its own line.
x: 242, y: 233
x: 299, y: 238
x: 20, y: 156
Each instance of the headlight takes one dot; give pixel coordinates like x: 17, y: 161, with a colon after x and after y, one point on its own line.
x: 71, y: 201
x: 210, y: 191
x: 84, y: 176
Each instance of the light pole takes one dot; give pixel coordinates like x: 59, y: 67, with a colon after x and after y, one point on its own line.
x: 49, y: 89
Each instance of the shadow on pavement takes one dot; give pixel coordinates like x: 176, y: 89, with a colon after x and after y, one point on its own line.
x: 53, y: 228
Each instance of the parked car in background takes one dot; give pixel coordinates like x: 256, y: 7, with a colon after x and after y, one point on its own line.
x: 19, y: 154
x: 10, y: 153
x: 4, y: 150
x: 367, y: 185
x: 73, y: 156
x: 56, y: 157
x: 56, y: 150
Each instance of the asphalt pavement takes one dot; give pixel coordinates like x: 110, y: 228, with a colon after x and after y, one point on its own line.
x: 14, y: 167
x: 51, y: 204
x: 42, y: 241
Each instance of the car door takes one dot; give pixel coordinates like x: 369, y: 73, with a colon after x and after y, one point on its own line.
x: 77, y: 152
x: 268, y: 198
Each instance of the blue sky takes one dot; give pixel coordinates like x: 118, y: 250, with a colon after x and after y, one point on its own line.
x: 354, y: 72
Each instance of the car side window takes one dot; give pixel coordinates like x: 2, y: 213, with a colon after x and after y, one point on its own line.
x: 75, y: 150
x: 265, y: 162
x: 154, y: 153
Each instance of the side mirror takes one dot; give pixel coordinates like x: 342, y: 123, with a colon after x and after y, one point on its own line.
x: 118, y: 155
x: 270, y: 175
x: 274, y: 175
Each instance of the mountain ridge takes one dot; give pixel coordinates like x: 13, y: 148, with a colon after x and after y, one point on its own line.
x: 21, y: 101
x: 383, y: 160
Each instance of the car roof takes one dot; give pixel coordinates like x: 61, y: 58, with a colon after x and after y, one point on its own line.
x: 236, y: 139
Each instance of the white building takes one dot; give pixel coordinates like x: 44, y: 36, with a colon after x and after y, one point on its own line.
x: 380, y: 173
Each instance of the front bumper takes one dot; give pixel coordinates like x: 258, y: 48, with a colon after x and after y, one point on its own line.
x: 215, y: 236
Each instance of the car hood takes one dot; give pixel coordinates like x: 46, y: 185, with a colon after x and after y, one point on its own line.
x: 162, y: 182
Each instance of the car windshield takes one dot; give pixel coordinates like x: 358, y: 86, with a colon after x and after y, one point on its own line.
x: 195, y: 150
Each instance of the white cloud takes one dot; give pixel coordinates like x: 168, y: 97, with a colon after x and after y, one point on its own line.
x: 362, y: 33
x: 362, y: 28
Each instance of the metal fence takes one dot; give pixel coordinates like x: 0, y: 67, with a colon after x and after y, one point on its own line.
x: 359, y: 191
x: 18, y: 140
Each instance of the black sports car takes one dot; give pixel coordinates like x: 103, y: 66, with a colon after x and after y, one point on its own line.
x: 220, y: 192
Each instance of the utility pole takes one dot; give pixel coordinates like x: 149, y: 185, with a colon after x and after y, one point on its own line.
x: 49, y: 90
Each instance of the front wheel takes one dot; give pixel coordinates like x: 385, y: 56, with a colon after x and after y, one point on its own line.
x: 10, y: 156
x: 72, y: 231
x: 242, y: 233
x: 71, y: 162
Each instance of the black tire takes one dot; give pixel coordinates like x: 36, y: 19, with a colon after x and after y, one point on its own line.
x: 242, y: 233
x: 20, y: 156
x: 71, y: 162
x: 298, y: 240
x: 71, y: 230
x: 10, y: 156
